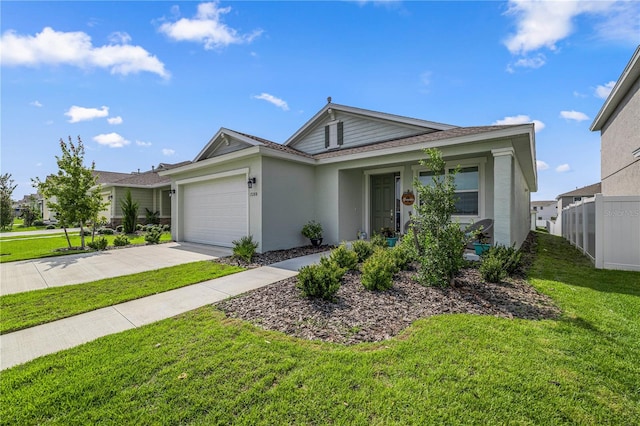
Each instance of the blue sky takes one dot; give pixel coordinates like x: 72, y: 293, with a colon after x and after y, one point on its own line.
x: 150, y: 82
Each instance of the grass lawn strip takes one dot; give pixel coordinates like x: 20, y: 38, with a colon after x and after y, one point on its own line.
x: 203, y: 368
x: 23, y: 310
x: 23, y: 249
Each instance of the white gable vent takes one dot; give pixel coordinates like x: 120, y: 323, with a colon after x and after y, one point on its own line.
x: 333, y: 134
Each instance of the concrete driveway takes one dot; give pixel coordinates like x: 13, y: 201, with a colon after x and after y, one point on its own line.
x: 58, y: 271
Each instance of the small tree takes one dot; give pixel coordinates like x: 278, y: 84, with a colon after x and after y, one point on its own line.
x: 440, y: 241
x: 73, y: 193
x: 129, y: 213
x: 6, y: 209
x: 31, y: 212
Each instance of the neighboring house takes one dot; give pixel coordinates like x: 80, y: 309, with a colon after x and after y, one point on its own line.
x: 31, y: 200
x: 148, y: 189
x: 619, y: 124
x: 348, y: 168
x: 563, y: 200
x: 544, y: 210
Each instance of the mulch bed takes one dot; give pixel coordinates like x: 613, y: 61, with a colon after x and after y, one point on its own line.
x: 359, y: 315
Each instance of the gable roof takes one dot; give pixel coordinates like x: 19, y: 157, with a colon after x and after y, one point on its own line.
x: 543, y: 203
x: 629, y: 76
x: 375, y: 115
x: 585, y: 191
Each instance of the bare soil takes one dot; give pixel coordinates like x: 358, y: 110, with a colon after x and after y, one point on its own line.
x: 359, y: 315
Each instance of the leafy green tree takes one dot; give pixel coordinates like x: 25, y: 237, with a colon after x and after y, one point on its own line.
x: 440, y: 241
x: 73, y: 193
x: 31, y: 212
x: 6, y: 209
x: 129, y: 213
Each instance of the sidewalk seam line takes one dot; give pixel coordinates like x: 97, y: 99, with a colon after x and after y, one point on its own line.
x: 44, y: 280
x: 122, y: 315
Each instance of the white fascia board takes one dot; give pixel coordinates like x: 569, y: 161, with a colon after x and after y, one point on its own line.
x: 268, y: 152
x: 498, y: 134
x: 226, y: 132
x: 630, y: 74
x: 212, y: 161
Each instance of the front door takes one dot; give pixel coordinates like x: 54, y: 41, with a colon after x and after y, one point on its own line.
x: 383, y: 202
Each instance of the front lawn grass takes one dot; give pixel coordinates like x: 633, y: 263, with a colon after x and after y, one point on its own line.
x: 23, y: 310
x: 203, y: 368
x: 30, y: 248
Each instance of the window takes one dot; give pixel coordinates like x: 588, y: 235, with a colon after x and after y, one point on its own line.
x: 467, y: 183
x: 541, y: 208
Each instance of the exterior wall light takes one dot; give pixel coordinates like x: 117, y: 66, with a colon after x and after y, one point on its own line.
x: 171, y: 192
x: 251, y: 182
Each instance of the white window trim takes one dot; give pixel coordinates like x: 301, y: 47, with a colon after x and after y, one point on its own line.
x: 467, y: 162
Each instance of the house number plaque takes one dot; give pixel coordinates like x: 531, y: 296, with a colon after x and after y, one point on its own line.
x: 408, y: 198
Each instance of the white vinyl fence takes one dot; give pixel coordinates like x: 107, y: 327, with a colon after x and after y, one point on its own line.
x: 607, y: 229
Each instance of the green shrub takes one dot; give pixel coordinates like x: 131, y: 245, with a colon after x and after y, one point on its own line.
x: 492, y: 269
x: 404, y: 252
x: 98, y: 244
x: 121, y: 240
x: 129, y: 213
x: 344, y: 257
x: 38, y: 222
x: 320, y: 281
x: 152, y: 236
x: 166, y: 228
x: 378, y: 270
x: 245, y: 248
x: 378, y: 240
x: 85, y: 232
x: 151, y: 217
x: 139, y: 227
x: 105, y: 231
x: 363, y: 249
x: 509, y: 257
x: 119, y: 228
x: 51, y: 227
x: 312, y: 230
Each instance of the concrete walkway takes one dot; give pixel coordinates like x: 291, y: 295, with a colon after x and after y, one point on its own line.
x: 25, y: 345
x: 35, y: 274
x: 52, y: 232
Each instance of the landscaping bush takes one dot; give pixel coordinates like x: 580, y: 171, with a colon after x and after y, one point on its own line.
x: 139, y: 227
x: 404, y: 252
x: 85, y: 232
x: 245, y: 248
x: 379, y: 240
x: 152, y: 236
x: 105, y: 231
x: 378, y: 270
x: 98, y: 244
x: 50, y: 227
x: 344, y: 258
x: 129, y: 213
x: 38, y: 222
x: 166, y: 228
x: 363, y: 249
x: 151, y: 217
x: 119, y: 228
x: 320, y: 281
x: 509, y: 257
x: 492, y: 269
x: 121, y: 240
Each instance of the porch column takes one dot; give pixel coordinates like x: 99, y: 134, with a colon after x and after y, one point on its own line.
x: 502, y: 195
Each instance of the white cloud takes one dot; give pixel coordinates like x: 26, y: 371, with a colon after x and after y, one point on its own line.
x: 141, y: 143
x: 574, y: 115
x: 532, y: 62
x: 562, y: 168
x: 541, y: 165
x: 207, y: 28
x: 543, y: 23
x: 119, y: 38
x: 77, y: 113
x: 602, y: 91
x: 521, y: 119
x: 112, y: 140
x: 36, y: 104
x: 51, y: 47
x: 168, y: 152
x: 273, y: 100
x: 114, y: 120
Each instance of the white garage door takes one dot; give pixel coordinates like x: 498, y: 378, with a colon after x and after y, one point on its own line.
x: 215, y: 211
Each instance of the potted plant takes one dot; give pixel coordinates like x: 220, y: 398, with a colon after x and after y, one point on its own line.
x: 482, y: 242
x: 313, y: 231
x: 390, y: 235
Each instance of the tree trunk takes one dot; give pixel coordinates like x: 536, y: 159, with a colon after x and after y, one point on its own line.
x: 81, y: 236
x: 66, y: 234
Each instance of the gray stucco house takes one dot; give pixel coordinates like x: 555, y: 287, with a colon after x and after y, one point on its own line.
x: 619, y: 124
x: 348, y: 168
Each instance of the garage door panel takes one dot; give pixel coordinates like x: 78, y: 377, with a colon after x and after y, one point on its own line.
x: 215, y: 211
